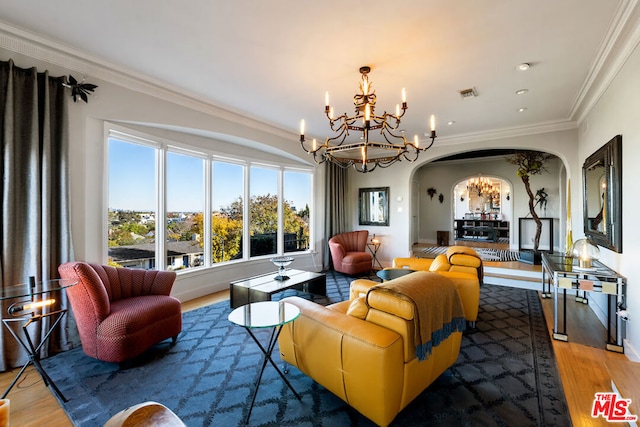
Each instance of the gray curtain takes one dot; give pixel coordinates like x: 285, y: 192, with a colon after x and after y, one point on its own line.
x: 36, y: 235
x: 336, y: 207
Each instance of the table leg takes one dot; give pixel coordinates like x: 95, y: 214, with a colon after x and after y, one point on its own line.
x: 561, y: 336
x: 33, y: 352
x: 267, y: 358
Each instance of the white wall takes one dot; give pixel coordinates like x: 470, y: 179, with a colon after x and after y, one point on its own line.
x: 617, y: 113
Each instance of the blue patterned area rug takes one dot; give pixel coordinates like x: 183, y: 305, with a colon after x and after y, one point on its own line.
x: 506, y: 375
x: 487, y: 254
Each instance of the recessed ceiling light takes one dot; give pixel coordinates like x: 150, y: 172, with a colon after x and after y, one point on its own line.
x: 523, y: 67
x: 522, y: 91
x: 521, y: 109
x: 451, y: 122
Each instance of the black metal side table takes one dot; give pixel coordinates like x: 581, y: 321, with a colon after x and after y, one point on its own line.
x: 373, y: 248
x: 30, y: 304
x: 265, y: 314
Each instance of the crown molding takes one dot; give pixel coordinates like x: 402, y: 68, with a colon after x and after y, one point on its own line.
x: 513, y: 132
x: 25, y: 43
x: 620, y: 41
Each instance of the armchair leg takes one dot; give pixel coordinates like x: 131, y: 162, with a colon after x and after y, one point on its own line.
x: 174, y: 340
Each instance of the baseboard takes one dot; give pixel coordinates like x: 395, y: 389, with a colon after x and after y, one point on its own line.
x: 630, y: 351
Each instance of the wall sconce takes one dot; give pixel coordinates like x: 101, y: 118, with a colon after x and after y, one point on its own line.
x: 462, y: 196
x: 508, y: 195
x: 586, y: 252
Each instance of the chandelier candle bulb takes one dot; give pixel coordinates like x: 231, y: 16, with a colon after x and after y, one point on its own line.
x: 397, y: 110
x: 416, y: 142
x: 302, y: 127
x: 404, y: 96
x: 314, y: 144
x: 326, y: 99
x: 433, y: 123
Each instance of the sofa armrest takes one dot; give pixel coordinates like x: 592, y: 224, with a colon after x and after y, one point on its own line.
x: 337, y: 250
x: 412, y: 263
x: 358, y: 361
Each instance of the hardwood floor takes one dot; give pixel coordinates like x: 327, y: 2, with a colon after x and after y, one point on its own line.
x: 582, y: 363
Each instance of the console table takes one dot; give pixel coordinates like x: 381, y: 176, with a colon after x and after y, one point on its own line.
x: 563, y: 273
x: 487, y: 229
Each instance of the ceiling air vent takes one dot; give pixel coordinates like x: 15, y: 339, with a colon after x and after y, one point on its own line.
x: 468, y: 93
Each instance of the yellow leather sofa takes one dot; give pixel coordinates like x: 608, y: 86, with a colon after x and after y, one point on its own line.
x: 363, y: 350
x: 462, y: 265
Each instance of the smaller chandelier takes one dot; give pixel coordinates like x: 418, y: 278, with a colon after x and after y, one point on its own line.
x: 365, y: 154
x: 483, y: 187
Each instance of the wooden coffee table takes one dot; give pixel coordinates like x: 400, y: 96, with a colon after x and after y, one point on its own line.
x: 261, y: 288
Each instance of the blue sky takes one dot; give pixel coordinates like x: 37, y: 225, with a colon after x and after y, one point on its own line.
x: 132, y: 181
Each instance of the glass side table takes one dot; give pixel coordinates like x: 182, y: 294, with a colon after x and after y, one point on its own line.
x: 31, y: 303
x: 265, y: 314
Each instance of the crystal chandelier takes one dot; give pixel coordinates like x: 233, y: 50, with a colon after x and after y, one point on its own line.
x: 365, y: 154
x: 483, y: 187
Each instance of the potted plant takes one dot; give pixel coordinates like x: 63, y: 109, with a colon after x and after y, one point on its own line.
x: 530, y: 163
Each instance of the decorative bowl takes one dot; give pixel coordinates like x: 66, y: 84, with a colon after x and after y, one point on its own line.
x: 281, y: 262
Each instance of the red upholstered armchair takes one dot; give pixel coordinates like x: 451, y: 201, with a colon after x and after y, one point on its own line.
x: 349, y: 252
x: 121, y: 312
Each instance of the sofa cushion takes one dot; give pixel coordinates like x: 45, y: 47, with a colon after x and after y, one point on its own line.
x: 358, y: 308
x: 440, y: 263
x: 356, y: 258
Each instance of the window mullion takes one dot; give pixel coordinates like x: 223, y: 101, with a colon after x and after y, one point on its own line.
x: 280, y: 212
x: 161, y: 209
x: 208, y: 212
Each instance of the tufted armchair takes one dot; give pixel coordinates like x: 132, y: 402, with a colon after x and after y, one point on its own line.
x: 121, y: 312
x: 348, y: 251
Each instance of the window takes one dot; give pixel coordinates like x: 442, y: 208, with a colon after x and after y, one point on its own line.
x: 132, y: 204
x: 297, y: 202
x: 263, y: 211
x: 227, y: 211
x: 185, y: 206
x: 195, y: 202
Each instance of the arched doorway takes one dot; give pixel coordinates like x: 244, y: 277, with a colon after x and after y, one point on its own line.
x: 482, y: 210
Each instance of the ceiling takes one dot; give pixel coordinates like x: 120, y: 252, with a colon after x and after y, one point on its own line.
x: 274, y: 60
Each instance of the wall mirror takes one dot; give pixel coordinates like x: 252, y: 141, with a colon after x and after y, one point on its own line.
x: 374, y: 206
x: 602, y: 195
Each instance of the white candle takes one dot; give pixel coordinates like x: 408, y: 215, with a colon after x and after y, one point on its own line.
x: 404, y: 95
x: 326, y: 98
x: 415, y: 141
x: 433, y: 122
x: 302, y: 127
